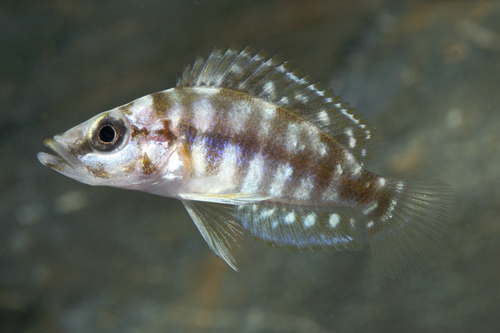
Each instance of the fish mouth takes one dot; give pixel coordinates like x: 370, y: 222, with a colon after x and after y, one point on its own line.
x: 59, y: 160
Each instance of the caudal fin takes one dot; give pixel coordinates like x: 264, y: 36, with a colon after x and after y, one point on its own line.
x: 408, y: 223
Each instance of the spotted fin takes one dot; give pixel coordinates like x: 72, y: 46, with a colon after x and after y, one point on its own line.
x: 302, y: 228
x: 217, y: 225
x: 408, y: 223
x: 280, y: 83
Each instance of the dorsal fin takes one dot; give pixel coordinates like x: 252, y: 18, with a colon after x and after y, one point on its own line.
x: 280, y: 83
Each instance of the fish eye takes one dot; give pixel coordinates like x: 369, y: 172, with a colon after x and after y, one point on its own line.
x: 108, y: 134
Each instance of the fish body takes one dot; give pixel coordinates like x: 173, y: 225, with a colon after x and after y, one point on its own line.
x: 249, y: 144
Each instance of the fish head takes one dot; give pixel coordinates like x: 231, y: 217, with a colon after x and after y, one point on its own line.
x: 110, y: 150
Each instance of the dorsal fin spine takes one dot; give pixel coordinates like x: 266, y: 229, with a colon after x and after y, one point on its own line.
x: 244, y: 65
x: 214, y: 56
x: 263, y: 72
x: 225, y: 65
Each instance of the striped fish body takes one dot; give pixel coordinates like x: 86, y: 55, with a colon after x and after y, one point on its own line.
x: 249, y: 144
x: 233, y: 143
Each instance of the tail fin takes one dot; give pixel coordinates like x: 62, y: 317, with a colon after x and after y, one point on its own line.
x: 410, y: 219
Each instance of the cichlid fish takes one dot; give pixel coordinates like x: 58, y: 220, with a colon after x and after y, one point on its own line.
x: 248, y: 143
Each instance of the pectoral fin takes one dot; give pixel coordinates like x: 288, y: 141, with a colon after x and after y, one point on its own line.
x: 217, y: 225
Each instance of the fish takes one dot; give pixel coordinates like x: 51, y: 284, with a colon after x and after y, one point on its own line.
x: 252, y: 146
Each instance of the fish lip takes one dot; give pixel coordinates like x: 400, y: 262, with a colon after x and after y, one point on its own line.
x: 59, y: 158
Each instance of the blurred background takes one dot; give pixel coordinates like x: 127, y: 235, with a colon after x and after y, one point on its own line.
x: 75, y: 258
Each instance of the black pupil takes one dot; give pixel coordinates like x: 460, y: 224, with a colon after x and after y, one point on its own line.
x: 107, y: 134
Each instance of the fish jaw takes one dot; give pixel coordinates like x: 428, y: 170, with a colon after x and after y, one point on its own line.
x: 62, y: 161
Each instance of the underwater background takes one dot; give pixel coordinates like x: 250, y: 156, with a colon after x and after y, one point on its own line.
x: 76, y: 258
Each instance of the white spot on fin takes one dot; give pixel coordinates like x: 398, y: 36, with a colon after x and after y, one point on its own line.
x: 334, y: 220
x: 370, y: 209
x: 290, y: 218
x: 323, y: 117
x: 310, y: 220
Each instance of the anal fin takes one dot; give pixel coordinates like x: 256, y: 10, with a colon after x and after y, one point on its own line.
x: 217, y: 225
x: 303, y: 228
